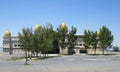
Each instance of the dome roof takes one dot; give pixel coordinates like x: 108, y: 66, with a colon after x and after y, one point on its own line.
x: 63, y: 25
x: 7, y: 33
x: 100, y: 30
x: 37, y: 27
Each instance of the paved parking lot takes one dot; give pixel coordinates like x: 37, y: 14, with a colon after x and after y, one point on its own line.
x: 70, y: 63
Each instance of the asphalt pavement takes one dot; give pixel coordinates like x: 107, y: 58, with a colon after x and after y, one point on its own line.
x: 69, y: 63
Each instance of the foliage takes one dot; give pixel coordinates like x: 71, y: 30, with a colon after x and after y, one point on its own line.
x: 105, y: 38
x: 62, y: 32
x: 94, y: 41
x: 45, y: 39
x: 87, y: 39
x: 41, y: 41
x: 25, y: 40
x: 72, y: 38
x: 102, y: 39
x: 115, y: 48
x: 48, y: 38
x: 38, y: 40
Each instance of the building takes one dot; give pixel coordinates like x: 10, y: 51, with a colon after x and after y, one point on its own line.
x: 78, y: 48
x: 11, y: 43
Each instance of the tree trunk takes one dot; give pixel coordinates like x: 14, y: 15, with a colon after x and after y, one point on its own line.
x: 86, y: 50
x: 40, y: 54
x: 37, y: 54
x: 47, y: 53
x: 29, y: 56
x: 62, y: 50
x: 33, y: 53
x: 44, y: 54
x: 26, y: 57
x: 95, y: 51
x: 103, y: 51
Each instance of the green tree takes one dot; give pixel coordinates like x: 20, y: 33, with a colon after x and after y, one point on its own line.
x: 105, y: 38
x: 25, y: 41
x: 38, y: 39
x: 48, y: 38
x: 44, y: 39
x: 62, y: 33
x: 31, y: 46
x: 87, y: 39
x: 115, y: 48
x: 56, y: 42
x: 94, y: 41
x: 71, y: 39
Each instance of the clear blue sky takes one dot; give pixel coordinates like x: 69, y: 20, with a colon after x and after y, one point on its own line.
x: 82, y: 14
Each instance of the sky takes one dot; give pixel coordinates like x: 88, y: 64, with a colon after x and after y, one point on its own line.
x: 82, y: 14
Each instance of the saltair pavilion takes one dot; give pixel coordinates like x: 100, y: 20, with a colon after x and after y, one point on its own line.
x: 11, y: 44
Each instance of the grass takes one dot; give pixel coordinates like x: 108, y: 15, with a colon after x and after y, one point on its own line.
x: 15, y: 58
x: 21, y: 58
x: 101, y: 54
x: 65, y: 54
x: 45, y: 57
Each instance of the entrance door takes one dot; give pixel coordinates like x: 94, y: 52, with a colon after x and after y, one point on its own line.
x: 83, y: 51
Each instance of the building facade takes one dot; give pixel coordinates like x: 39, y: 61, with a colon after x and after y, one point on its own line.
x: 78, y: 48
x: 11, y: 44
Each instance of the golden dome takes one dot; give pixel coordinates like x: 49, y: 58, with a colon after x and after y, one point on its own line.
x: 37, y: 26
x: 98, y: 32
x: 7, y: 33
x: 63, y: 25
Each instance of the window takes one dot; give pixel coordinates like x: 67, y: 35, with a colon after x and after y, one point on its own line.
x: 15, y: 45
x: 80, y: 44
x: 18, y: 45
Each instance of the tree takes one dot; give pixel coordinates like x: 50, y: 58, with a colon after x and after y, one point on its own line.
x: 31, y: 42
x: 48, y: 38
x: 71, y: 39
x: 56, y: 42
x: 115, y: 48
x: 87, y: 39
x: 25, y: 41
x: 62, y: 33
x: 94, y: 40
x: 38, y: 39
x: 44, y: 39
x: 105, y: 38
